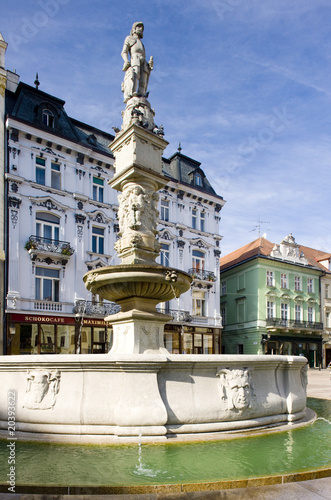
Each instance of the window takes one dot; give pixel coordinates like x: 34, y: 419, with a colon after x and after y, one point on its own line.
x: 165, y: 210
x: 199, y: 304
x: 198, y: 260
x: 223, y: 314
x: 270, y: 309
x: 223, y: 287
x: 327, y: 291
x: 241, y: 281
x: 298, y: 313
x: 55, y: 175
x: 40, y: 170
x: 97, y: 189
x: 270, y: 278
x: 297, y: 283
x: 47, y: 284
x: 283, y: 280
x: 241, y: 311
x: 310, y: 285
x: 48, y: 118
x: 240, y: 348
x: 165, y: 254
x: 284, y: 311
x: 98, y: 239
x: 194, y: 218
x: 327, y: 320
x: 202, y: 221
x: 311, y: 314
x: 47, y: 226
x: 198, y: 179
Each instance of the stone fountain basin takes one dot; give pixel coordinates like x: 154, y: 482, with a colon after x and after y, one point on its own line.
x: 137, y: 285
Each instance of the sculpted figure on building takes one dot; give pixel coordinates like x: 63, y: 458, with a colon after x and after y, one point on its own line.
x: 137, y: 69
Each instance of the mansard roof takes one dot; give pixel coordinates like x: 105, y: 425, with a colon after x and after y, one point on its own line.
x: 183, y: 169
x: 25, y: 104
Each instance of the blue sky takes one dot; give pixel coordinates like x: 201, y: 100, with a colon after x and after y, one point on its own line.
x: 244, y: 86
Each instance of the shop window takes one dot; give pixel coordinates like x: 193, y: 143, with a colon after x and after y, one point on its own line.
x: 98, y: 188
x: 40, y: 171
x: 47, y: 226
x: 47, y: 284
x: 164, y: 215
x: 55, y: 175
x: 98, y: 239
x: 207, y: 344
x: 47, y: 339
x: 165, y: 254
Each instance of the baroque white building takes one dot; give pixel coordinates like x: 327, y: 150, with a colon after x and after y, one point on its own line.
x: 61, y: 221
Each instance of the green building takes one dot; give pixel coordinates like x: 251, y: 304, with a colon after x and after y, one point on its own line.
x: 270, y: 300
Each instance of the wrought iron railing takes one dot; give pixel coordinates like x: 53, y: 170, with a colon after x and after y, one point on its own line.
x: 291, y: 323
x: 201, y: 274
x: 178, y: 315
x: 38, y: 243
x: 89, y: 308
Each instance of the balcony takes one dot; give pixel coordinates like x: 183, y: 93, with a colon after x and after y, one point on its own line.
x: 293, y: 324
x: 37, y: 244
x: 178, y: 316
x: 89, y: 308
x: 202, y: 275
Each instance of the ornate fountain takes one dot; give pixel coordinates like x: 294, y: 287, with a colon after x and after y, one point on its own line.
x: 139, y: 388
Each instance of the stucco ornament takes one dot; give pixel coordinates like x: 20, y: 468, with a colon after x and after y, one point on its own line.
x: 41, y: 389
x: 236, y: 388
x: 137, y: 69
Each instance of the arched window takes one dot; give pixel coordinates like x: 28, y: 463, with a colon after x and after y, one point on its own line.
x: 48, y: 118
x: 47, y: 226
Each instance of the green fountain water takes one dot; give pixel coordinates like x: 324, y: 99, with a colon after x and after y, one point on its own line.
x: 295, y: 450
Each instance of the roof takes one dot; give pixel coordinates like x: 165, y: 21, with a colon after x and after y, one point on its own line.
x: 263, y: 247
x: 182, y: 169
x: 24, y: 106
x: 260, y: 246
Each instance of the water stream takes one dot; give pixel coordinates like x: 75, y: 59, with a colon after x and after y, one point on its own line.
x: 300, y: 449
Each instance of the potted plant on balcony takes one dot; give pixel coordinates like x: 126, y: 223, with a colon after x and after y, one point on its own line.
x: 30, y: 245
x: 67, y: 250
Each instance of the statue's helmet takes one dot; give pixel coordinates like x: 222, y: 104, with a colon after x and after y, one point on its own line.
x: 135, y: 25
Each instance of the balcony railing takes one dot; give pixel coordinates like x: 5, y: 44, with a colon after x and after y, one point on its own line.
x: 39, y: 244
x: 178, y: 315
x: 201, y: 274
x: 89, y: 308
x: 291, y: 323
x: 45, y: 305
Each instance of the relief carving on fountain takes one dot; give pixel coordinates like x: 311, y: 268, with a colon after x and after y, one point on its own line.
x: 42, y: 388
x: 236, y: 388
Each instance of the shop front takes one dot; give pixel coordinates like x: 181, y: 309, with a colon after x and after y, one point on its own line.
x: 51, y: 334
x: 184, y: 339
x: 309, y: 347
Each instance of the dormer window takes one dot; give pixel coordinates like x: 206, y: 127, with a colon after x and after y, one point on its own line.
x: 198, y: 179
x: 48, y: 118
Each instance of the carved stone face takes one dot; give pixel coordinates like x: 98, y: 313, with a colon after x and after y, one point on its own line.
x: 39, y: 387
x: 239, y: 391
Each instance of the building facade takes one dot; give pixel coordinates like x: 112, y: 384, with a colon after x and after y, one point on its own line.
x: 271, y: 301
x: 61, y: 221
